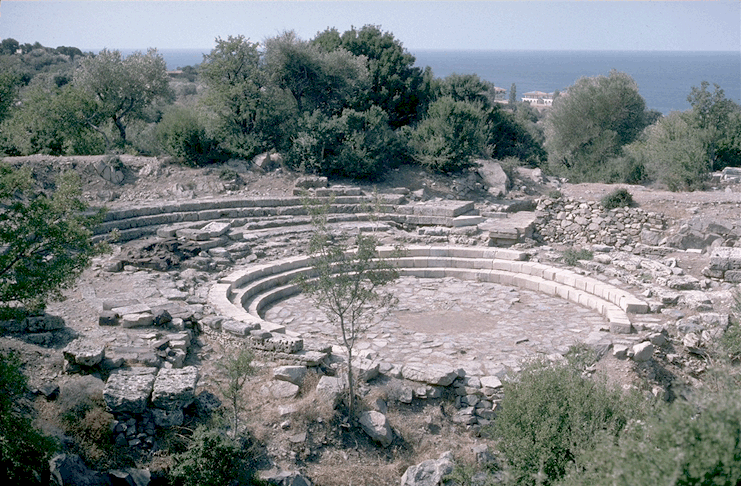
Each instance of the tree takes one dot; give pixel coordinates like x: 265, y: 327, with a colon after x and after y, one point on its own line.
x: 513, y: 97
x: 590, y: 124
x: 56, y: 121
x: 236, y: 368
x: 317, y: 79
x: 465, y: 87
x: 9, y: 46
x: 672, y: 151
x: 506, y: 137
x: 396, y: 85
x: 45, y: 240
x: 9, y: 84
x: 251, y: 114
x: 346, y: 284
x: 551, y: 415
x: 24, y: 451
x: 450, y: 137
x: 359, y: 145
x: 122, y: 88
x: 719, y: 121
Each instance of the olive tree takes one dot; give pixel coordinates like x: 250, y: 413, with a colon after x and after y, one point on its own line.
x: 590, y: 123
x: 45, y: 240
x: 123, y: 87
x: 347, y: 284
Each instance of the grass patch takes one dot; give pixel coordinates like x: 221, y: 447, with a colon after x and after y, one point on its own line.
x: 571, y: 257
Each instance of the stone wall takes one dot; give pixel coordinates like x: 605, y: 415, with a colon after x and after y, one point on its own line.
x: 588, y: 222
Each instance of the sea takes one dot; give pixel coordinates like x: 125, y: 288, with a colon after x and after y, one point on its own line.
x: 664, y: 78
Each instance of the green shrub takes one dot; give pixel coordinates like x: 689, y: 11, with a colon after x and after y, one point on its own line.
x: 550, y: 416
x: 619, y: 198
x: 679, y: 444
x: 24, y: 452
x: 450, y: 137
x: 555, y: 194
x: 571, y: 257
x: 182, y: 135
x: 213, y: 459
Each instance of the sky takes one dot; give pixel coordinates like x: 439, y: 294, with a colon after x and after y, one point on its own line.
x: 456, y: 25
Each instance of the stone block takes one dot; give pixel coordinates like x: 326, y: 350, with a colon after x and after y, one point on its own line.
x: 128, y: 391
x: 84, y: 352
x: 280, y: 390
x: 291, y: 374
x: 174, y: 389
x: 643, y: 352
x: 137, y: 320
x: 239, y: 328
x: 167, y: 419
x: 331, y: 389
x: 376, y: 425
x: 432, y: 374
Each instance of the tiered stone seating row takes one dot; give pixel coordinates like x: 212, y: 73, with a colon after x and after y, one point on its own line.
x: 244, y: 294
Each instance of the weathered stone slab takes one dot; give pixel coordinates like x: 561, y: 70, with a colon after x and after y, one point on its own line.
x: 216, y: 228
x: 175, y: 388
x: 239, y: 328
x: 84, y: 352
x: 643, y: 351
x: 432, y: 374
x: 132, y: 309
x: 331, y: 389
x: 376, y: 425
x: 128, y: 391
x: 430, y: 472
x: 137, y: 320
x: 291, y: 374
x: 281, y: 390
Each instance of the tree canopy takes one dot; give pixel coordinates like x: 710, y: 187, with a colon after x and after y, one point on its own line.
x: 45, y: 240
x: 123, y: 87
x: 590, y: 123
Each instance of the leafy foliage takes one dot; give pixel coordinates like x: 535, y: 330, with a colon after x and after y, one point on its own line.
x: 450, y: 137
x: 359, y: 145
x: 550, y: 416
x: 24, y: 452
x: 590, y: 124
x: 236, y: 368
x: 122, y: 88
x: 396, y: 85
x: 679, y: 444
x: 55, y: 121
x: 182, y: 135
x: 213, y: 459
x: 619, y: 198
x: 45, y: 241
x: 673, y: 153
x: 346, y: 283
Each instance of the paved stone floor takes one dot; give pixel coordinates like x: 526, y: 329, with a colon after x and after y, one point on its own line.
x: 484, y: 328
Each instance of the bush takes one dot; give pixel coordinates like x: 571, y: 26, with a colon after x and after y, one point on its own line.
x: 619, y: 198
x: 24, y: 452
x: 550, y: 416
x: 213, y: 459
x: 182, y: 135
x: 358, y: 145
x: 450, y: 137
x: 680, y: 444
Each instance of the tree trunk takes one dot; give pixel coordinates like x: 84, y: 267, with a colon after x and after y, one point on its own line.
x: 350, y: 385
x: 121, y: 129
